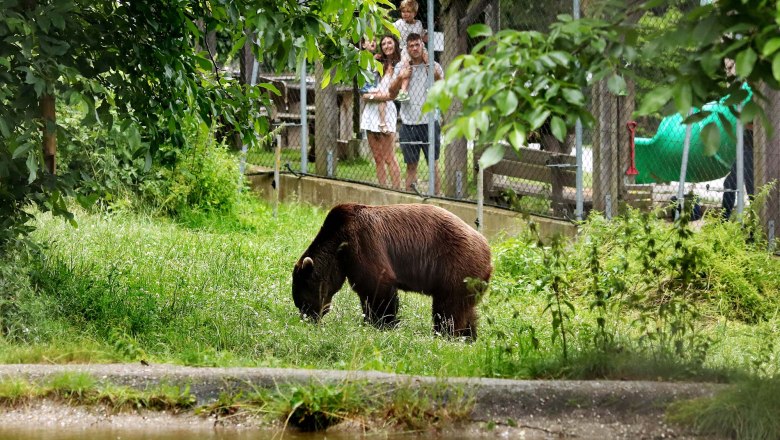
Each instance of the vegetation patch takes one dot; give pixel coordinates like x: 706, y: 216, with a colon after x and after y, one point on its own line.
x: 315, y: 407
x: 83, y: 389
x: 632, y: 298
x: 747, y: 410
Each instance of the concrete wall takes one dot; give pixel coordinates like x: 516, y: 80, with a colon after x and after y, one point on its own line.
x: 327, y: 193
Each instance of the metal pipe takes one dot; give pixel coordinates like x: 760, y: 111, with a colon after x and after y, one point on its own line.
x: 432, y: 115
x: 304, y: 123
x: 740, y: 193
x: 579, y: 194
x: 480, y: 196
x: 277, y: 166
x: 580, y: 185
x: 683, y: 171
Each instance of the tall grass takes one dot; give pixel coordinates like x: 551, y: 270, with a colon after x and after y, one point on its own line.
x: 214, y: 289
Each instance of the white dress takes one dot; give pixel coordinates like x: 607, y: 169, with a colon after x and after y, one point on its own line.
x: 369, y: 119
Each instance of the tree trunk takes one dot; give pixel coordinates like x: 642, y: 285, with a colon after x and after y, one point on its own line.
x: 456, y: 170
x: 49, y: 133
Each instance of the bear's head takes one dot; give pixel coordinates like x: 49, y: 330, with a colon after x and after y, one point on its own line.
x: 313, y: 288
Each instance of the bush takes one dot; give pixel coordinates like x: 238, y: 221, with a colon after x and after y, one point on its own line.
x: 203, y: 176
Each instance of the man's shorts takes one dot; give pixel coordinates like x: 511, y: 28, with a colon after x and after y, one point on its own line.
x: 414, y: 138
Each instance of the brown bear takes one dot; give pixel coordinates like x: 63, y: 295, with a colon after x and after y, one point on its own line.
x: 381, y: 249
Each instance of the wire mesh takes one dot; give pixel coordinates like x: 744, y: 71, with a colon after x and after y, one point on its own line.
x: 360, y: 135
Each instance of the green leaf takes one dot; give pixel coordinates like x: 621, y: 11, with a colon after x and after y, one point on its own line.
x: 479, y: 30
x: 87, y: 201
x: 4, y: 128
x: 683, y: 98
x: 506, y: 103
x: 57, y: 20
x: 770, y: 47
x: 491, y: 156
x: 558, y: 128
x: 776, y: 66
x: 617, y: 85
x: 517, y: 137
x: 21, y: 150
x: 561, y: 58
x: 32, y: 168
x: 710, y: 136
x: 745, y: 62
x: 573, y: 96
x: 749, y: 112
x: 537, y: 117
x: 654, y: 100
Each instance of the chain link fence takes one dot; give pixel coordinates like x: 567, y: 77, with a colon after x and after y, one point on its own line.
x: 359, y: 135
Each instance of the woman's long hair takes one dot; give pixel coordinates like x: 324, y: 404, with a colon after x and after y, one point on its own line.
x: 389, y: 62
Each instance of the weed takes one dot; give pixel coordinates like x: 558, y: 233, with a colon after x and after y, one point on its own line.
x: 746, y: 410
x: 428, y: 407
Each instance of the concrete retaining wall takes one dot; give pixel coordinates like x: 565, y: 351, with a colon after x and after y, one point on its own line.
x: 327, y: 193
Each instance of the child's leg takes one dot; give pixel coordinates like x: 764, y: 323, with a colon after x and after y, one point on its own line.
x: 382, y: 123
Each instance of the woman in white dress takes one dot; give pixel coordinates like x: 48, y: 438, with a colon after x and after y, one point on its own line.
x: 381, y: 131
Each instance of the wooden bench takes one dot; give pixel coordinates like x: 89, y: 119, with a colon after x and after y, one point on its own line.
x: 536, y: 173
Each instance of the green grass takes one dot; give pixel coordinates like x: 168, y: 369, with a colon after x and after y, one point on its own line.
x: 211, y: 290
x: 83, y: 389
x: 747, y: 410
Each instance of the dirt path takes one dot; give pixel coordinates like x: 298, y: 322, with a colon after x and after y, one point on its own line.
x: 530, y: 409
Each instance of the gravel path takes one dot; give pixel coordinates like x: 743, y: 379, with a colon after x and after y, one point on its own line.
x: 531, y: 409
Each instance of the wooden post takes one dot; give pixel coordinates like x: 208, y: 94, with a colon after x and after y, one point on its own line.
x: 48, y: 112
x: 605, y: 157
x: 766, y: 161
x: 556, y: 186
x: 455, y: 43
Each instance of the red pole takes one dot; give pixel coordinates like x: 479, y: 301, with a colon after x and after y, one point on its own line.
x: 632, y: 171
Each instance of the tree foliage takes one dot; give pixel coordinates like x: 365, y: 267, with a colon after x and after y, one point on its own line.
x: 132, y: 68
x: 514, y: 81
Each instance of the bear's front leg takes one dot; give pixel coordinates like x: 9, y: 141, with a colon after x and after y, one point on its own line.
x: 381, y: 310
x: 456, y: 319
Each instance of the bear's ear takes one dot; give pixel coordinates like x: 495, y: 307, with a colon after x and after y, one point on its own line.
x: 307, y: 264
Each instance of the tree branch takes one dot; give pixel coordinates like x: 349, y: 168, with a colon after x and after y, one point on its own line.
x: 472, y: 13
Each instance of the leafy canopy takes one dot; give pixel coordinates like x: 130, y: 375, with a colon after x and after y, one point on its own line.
x: 133, y: 68
x: 514, y: 81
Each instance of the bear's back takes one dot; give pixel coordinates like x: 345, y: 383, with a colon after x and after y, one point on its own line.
x: 424, y: 245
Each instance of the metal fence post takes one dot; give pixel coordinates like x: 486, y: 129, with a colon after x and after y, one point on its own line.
x: 683, y: 171
x: 433, y: 114
x: 740, y: 192
x: 578, y: 142
x: 480, y: 196
x: 304, y: 123
x: 277, y: 166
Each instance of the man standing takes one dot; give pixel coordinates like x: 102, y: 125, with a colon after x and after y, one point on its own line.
x: 413, y: 133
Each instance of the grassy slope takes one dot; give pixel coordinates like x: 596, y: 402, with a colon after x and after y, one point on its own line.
x: 216, y: 291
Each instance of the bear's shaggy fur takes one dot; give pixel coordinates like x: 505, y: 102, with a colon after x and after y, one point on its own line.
x: 381, y: 249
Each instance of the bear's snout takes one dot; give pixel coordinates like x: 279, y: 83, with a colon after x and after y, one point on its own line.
x: 314, y: 315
